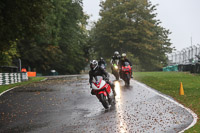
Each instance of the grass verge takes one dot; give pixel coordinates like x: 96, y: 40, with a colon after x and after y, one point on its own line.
x: 30, y: 80
x: 169, y: 83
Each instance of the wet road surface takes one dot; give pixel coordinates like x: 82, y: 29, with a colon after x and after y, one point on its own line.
x: 65, y: 105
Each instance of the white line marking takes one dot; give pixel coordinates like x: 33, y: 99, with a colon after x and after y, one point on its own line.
x: 195, y: 117
x: 44, y: 79
x: 7, y: 90
x: 15, y: 87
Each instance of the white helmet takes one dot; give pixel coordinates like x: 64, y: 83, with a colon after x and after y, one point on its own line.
x: 116, y: 53
x: 93, y: 64
x: 124, y: 55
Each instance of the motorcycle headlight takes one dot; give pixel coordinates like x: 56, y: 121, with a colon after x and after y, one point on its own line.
x: 116, y: 67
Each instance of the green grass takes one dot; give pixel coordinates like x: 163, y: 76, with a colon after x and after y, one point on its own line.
x: 169, y: 83
x: 31, y: 80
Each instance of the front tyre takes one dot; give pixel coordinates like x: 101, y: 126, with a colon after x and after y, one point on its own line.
x: 104, y: 101
x: 127, y: 80
x: 116, y: 75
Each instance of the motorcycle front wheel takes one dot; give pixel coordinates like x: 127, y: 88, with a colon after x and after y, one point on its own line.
x: 104, y: 101
x: 127, y: 80
x: 116, y: 74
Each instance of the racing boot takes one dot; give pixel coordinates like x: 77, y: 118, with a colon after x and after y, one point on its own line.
x: 92, y: 92
x: 131, y: 74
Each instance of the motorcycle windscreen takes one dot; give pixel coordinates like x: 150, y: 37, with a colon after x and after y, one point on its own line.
x: 98, y: 83
x: 126, y: 64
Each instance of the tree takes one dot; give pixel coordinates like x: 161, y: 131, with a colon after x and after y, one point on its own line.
x: 19, y: 19
x: 130, y: 26
x: 6, y: 57
x: 62, y: 41
x: 44, y: 34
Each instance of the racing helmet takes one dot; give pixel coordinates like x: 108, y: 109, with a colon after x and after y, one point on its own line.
x: 116, y: 53
x: 93, y: 64
x: 101, y: 58
x: 123, y: 56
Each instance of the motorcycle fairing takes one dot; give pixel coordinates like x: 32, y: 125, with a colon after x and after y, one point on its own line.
x: 98, y: 84
x: 104, y: 92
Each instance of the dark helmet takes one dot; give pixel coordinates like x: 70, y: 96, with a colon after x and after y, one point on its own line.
x: 123, y: 56
x: 101, y: 58
x: 93, y: 64
x: 116, y: 53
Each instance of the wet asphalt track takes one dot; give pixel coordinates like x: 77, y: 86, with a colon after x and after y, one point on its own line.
x: 65, y: 105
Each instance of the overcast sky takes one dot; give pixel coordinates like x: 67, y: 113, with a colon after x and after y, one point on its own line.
x: 181, y: 17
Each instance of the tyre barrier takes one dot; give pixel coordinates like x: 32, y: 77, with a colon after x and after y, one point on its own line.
x: 192, y: 68
x: 11, y: 78
x: 170, y: 68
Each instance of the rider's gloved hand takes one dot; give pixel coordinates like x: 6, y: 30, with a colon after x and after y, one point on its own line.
x: 106, y: 79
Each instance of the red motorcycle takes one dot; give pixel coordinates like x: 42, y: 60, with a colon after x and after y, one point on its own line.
x: 126, y: 73
x: 102, y: 90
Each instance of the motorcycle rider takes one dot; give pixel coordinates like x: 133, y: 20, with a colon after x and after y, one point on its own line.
x: 114, y: 59
x: 102, y: 62
x: 122, y: 63
x: 99, y: 71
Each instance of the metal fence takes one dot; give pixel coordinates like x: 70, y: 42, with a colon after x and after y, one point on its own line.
x: 11, y: 78
x: 185, y: 56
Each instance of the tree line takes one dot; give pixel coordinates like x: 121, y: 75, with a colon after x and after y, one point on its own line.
x: 131, y: 26
x: 44, y: 34
x: 52, y: 34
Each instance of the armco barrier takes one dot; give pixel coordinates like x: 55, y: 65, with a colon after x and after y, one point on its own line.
x: 11, y: 78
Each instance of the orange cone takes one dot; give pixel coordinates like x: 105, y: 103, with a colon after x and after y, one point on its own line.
x: 181, y: 92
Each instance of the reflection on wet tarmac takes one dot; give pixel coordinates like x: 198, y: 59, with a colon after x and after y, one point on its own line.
x: 122, y: 124
x: 117, y: 89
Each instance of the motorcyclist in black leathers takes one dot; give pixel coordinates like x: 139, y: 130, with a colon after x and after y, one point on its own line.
x: 99, y: 71
x: 102, y: 62
x: 121, y: 63
x: 114, y: 58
